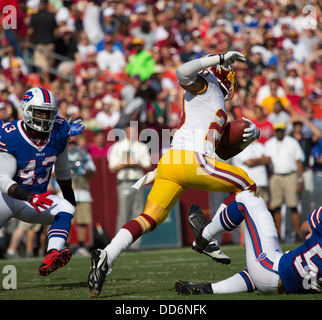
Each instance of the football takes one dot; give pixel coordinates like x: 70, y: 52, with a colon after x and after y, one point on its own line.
x: 231, y: 142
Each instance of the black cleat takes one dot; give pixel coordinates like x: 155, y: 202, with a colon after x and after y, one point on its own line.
x: 197, y: 223
x: 185, y: 288
x: 213, y: 251
x: 99, y: 269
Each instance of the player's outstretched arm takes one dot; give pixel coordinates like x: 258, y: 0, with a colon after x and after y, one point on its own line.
x: 187, y: 74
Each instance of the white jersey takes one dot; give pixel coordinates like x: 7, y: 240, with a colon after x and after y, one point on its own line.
x: 203, y: 117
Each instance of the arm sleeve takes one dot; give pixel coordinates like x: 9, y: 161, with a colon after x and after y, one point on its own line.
x: 7, y: 171
x: 187, y: 73
x: 62, y: 167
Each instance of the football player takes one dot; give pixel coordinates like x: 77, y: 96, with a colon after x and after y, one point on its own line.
x: 190, y: 163
x: 268, y: 269
x: 29, y: 149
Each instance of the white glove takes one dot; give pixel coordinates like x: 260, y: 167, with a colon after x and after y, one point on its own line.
x: 230, y: 57
x: 251, y: 133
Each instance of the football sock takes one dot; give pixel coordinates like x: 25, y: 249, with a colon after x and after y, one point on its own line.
x: 129, y: 233
x: 239, y: 282
x: 122, y: 240
x: 59, y: 231
x: 226, y: 220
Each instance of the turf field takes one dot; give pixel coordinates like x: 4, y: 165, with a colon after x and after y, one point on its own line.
x: 143, y: 275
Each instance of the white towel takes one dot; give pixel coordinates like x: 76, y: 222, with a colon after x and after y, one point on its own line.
x: 148, y: 178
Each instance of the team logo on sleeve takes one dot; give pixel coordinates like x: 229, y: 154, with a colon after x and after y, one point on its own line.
x: 27, y: 96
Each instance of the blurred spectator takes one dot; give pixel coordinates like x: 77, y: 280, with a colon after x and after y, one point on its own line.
x: 3, y: 113
x: 266, y: 90
x: 264, y: 126
x: 89, y: 122
x: 294, y: 80
x: 64, y: 17
x: 83, y: 168
x: 70, y: 96
x: 316, y: 98
x: 145, y: 33
x: 304, y: 131
x: 109, y: 116
x: 9, y: 57
x: 296, y: 45
x: 23, y: 229
x: 314, y: 61
x: 108, y: 20
x: 109, y: 59
x: 278, y: 115
x: 83, y: 47
x: 128, y: 92
x: 140, y: 62
x: 66, y: 45
x: 188, y: 53
x: 87, y: 69
x: 42, y: 33
x: 268, y: 102
x: 129, y: 158
x: 253, y: 161
x: 14, y: 73
x: 18, y: 89
x: 316, y: 152
x: 11, y: 112
x: 92, y: 22
x: 100, y: 146
x: 286, y: 181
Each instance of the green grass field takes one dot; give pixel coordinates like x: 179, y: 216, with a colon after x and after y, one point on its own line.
x: 143, y: 275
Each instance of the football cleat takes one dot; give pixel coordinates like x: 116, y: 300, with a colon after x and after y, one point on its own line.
x: 185, y: 288
x: 54, y: 260
x: 99, y: 269
x: 197, y: 223
x: 213, y: 251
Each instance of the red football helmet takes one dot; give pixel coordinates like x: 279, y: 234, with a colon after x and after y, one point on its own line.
x: 226, y: 78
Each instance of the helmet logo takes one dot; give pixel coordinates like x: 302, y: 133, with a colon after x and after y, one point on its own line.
x: 27, y: 96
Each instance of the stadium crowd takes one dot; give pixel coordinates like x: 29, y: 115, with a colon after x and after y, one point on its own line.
x: 120, y: 57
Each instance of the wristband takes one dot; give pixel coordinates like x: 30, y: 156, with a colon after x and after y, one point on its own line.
x: 22, y: 194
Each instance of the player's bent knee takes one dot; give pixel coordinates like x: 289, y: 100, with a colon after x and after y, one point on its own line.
x: 62, y: 205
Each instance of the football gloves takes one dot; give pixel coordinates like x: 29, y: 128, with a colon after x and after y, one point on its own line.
x: 251, y: 133
x: 230, y: 57
x: 76, y: 127
x: 40, y: 200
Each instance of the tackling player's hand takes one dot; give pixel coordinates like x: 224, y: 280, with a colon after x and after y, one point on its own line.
x: 250, y: 133
x: 230, y: 57
x: 76, y: 127
x: 40, y: 200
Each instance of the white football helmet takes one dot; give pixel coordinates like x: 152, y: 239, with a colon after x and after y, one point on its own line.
x: 39, y: 99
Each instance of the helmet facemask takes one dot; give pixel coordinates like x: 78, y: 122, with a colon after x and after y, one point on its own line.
x: 226, y: 79
x: 39, y: 123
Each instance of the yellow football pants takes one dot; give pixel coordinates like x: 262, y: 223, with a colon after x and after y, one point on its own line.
x: 179, y: 170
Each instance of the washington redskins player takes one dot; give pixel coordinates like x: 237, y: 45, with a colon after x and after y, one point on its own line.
x: 190, y: 162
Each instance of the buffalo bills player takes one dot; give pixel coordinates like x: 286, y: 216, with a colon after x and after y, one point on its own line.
x: 269, y: 270
x: 29, y: 149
